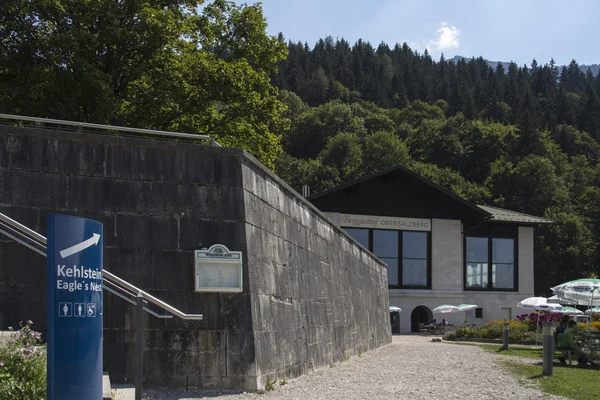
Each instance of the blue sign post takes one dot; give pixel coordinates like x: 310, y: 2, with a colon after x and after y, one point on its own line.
x: 74, y: 308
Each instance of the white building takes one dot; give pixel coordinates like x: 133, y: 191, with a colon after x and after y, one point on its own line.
x: 440, y: 248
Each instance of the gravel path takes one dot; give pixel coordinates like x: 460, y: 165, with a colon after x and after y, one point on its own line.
x: 412, y: 367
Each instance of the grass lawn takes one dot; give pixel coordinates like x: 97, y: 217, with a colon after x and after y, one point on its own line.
x: 519, y: 351
x: 528, y: 352
x: 571, y: 382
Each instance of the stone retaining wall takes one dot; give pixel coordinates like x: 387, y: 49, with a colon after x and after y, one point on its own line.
x: 311, y: 294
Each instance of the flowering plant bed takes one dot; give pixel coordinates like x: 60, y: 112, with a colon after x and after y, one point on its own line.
x: 23, y: 365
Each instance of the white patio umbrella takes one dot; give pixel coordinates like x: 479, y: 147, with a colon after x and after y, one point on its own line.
x: 583, y: 291
x: 466, y: 307
x: 571, y: 311
x: 556, y: 300
x: 395, y: 309
x: 538, y: 304
x: 593, y: 310
x: 445, y: 309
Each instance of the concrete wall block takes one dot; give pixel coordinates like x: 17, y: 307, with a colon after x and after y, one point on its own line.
x: 131, y: 264
x: 266, y: 352
x: 240, y: 353
x: 5, y: 142
x: 266, y: 312
x: 32, y: 189
x: 298, y: 235
x: 258, y: 186
x: 261, y: 275
x: 195, y: 234
x: 142, y: 163
x: 207, y: 167
x: 287, y: 346
x: 173, y: 270
x: 286, y: 278
x: 78, y: 158
x: 234, y: 311
x: 171, y: 198
x: 29, y: 153
x: 118, y: 196
x: 273, y: 194
x: 146, y: 232
x: 231, y: 203
x: 20, y: 266
x: 249, y: 208
x: 30, y: 217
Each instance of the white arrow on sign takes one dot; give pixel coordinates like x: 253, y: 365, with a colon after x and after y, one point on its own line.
x: 80, y: 246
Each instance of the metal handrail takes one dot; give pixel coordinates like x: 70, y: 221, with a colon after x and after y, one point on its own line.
x: 19, y: 239
x: 149, y: 311
x: 105, y: 274
x: 110, y: 127
x: 20, y: 227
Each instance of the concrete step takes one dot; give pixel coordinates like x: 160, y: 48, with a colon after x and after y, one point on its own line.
x: 123, y: 392
x: 106, y: 395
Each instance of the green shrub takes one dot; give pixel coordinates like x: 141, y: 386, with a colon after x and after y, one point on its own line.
x: 23, y: 366
x: 450, y: 336
x: 494, y: 330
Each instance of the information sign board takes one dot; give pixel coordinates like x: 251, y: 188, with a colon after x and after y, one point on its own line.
x: 218, y: 270
x: 74, y: 308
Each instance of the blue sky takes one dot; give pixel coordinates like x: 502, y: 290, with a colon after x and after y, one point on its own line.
x: 498, y: 30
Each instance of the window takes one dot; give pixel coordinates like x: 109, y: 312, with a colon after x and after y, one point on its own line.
x: 479, y: 313
x: 414, y: 259
x: 503, y: 263
x: 477, y: 262
x: 405, y: 252
x: 490, y: 259
x: 385, y: 247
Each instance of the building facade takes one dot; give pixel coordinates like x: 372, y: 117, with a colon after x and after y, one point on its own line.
x: 439, y: 248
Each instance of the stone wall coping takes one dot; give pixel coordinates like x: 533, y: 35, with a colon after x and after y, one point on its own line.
x: 127, y: 139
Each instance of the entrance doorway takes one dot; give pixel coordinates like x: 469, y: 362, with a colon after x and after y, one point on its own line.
x: 420, y: 315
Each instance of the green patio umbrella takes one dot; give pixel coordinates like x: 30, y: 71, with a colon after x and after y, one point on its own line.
x: 571, y: 311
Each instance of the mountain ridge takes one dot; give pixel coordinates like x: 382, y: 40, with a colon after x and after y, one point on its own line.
x: 595, y: 68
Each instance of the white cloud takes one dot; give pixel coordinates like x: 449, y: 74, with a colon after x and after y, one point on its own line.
x: 448, y: 38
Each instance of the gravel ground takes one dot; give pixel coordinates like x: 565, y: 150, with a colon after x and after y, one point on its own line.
x: 412, y: 367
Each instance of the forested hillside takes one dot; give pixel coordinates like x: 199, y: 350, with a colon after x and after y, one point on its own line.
x: 525, y: 138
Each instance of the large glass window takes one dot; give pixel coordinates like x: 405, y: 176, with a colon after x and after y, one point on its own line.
x: 503, y: 263
x: 477, y: 262
x: 414, y: 258
x: 405, y: 252
x: 385, y: 246
x: 490, y: 257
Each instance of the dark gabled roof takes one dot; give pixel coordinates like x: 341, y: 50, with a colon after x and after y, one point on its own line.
x: 502, y: 215
x: 487, y: 213
x: 451, y: 195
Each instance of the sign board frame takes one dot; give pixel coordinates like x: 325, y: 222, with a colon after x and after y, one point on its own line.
x: 218, y: 260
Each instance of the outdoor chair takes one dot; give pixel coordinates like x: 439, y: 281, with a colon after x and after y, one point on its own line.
x: 424, y: 329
